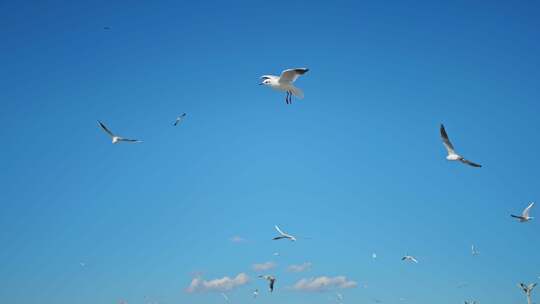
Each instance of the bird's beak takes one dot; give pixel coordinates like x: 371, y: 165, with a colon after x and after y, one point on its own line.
x: 261, y: 83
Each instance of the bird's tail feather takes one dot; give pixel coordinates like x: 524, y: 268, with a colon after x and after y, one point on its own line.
x: 297, y: 92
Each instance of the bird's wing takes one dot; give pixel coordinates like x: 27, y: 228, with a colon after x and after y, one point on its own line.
x: 470, y: 163
x: 263, y: 77
x: 516, y: 216
x: 446, y: 141
x: 414, y: 260
x: 130, y: 140
x: 527, y: 210
x: 272, y: 281
x: 291, y: 75
x: 531, y: 286
x: 404, y: 258
x: 105, y: 129
x: 280, y: 232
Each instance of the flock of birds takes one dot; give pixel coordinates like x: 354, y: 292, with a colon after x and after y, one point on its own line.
x: 285, y: 83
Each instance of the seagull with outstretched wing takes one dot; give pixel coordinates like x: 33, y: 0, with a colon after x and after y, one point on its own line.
x: 115, y: 138
x: 179, y: 119
x: 409, y: 258
x: 524, y: 217
x: 284, y: 83
x: 283, y: 235
x: 452, y: 155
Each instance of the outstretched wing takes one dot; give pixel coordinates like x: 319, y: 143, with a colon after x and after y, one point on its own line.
x: 279, y: 231
x: 527, y: 210
x: 446, y: 141
x: 105, y: 129
x: 130, y: 140
x: 291, y: 75
x: 272, y: 281
x: 470, y: 163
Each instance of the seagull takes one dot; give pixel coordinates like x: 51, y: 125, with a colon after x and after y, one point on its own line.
x: 474, y: 252
x: 116, y: 138
x: 409, y: 258
x: 106, y: 28
x: 283, y: 235
x: 527, y: 289
x: 179, y: 119
x: 524, y: 217
x: 470, y: 302
x: 256, y: 293
x: 271, y: 280
x: 374, y: 255
x: 339, y: 297
x: 284, y: 82
x: 452, y: 155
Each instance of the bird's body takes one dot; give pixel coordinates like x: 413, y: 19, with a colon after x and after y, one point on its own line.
x: 524, y: 217
x: 271, y: 280
x: 527, y: 289
x: 283, y: 235
x: 409, y: 258
x: 284, y: 83
x: 115, y: 138
x: 179, y: 119
x: 256, y: 293
x: 452, y: 155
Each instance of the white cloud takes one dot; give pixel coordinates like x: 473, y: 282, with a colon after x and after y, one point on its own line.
x: 237, y: 239
x: 299, y: 268
x: 264, y: 266
x: 198, y: 284
x: 324, y: 283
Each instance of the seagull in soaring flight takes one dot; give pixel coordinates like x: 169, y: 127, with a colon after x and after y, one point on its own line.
x: 271, y: 280
x: 527, y: 289
x: 256, y: 293
x: 179, y: 119
x: 284, y: 82
x: 474, y: 251
x: 409, y: 258
x: 116, y: 138
x: 452, y: 155
x: 524, y: 217
x: 283, y: 235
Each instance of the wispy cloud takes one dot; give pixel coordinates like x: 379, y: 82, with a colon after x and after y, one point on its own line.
x: 323, y: 283
x: 299, y: 268
x: 264, y: 266
x: 198, y: 284
x: 237, y: 239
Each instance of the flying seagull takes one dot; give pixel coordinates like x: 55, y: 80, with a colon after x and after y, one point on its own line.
x: 284, y: 82
x: 524, y: 217
x: 179, y: 119
x: 283, y: 235
x: 374, y: 255
x: 225, y: 297
x: 116, y: 138
x: 256, y: 293
x: 409, y: 258
x: 527, y: 289
x: 271, y: 280
x: 470, y: 302
x: 474, y: 251
x: 452, y: 155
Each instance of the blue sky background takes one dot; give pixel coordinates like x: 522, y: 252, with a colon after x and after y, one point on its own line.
x: 357, y: 165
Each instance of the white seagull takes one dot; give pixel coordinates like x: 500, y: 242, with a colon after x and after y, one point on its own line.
x: 271, y: 280
x: 115, y: 138
x: 524, y: 217
x: 452, y: 155
x: 179, y: 119
x: 283, y: 235
x: 284, y: 82
x: 409, y: 258
x: 474, y: 251
x: 527, y: 289
x: 256, y: 293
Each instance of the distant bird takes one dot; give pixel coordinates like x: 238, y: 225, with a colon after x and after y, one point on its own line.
x: 527, y: 289
x: 524, y: 217
x: 271, y: 280
x: 452, y: 155
x: 374, y: 255
x: 283, y: 235
x: 284, y: 82
x: 82, y: 264
x: 179, y: 119
x: 276, y: 253
x: 474, y: 251
x: 409, y: 258
x: 462, y: 285
x: 116, y: 138
x: 339, y: 297
x: 256, y: 293
x: 469, y: 302
x: 106, y: 28
x: 225, y: 297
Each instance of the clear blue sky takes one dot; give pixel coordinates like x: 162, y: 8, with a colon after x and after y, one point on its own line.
x: 357, y: 165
